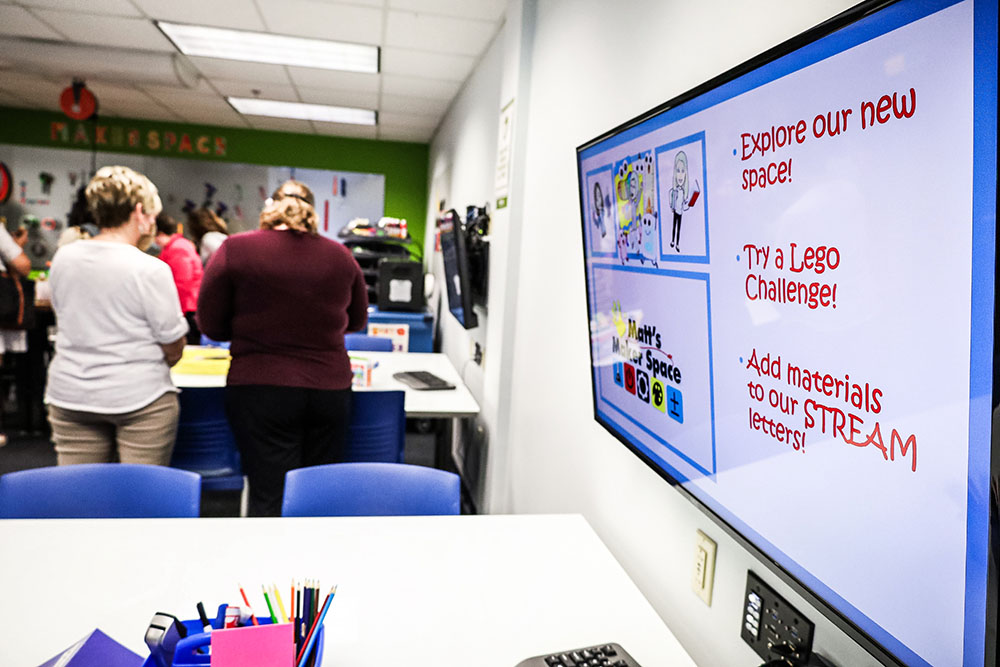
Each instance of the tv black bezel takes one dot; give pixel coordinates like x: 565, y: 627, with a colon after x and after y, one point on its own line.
x: 879, y: 652
x: 469, y: 320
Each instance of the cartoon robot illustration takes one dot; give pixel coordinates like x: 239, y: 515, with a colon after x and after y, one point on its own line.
x: 638, y: 218
x: 680, y: 199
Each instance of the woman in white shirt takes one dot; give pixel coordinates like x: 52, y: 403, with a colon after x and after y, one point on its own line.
x: 17, y: 263
x: 120, y: 328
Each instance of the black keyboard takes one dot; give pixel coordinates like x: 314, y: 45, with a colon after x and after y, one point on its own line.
x: 422, y: 380
x: 605, y: 655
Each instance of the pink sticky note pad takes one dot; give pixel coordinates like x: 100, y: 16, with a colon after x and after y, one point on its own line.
x: 254, y: 646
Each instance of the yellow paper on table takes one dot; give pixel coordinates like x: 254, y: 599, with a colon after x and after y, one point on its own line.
x: 203, y: 361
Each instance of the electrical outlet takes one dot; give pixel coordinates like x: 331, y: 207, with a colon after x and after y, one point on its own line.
x: 703, y: 575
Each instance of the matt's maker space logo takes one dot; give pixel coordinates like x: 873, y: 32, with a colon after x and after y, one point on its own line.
x: 646, y: 372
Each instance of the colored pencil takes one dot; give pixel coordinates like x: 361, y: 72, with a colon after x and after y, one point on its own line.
x: 249, y: 606
x: 298, y: 617
x: 313, y: 631
x: 270, y: 609
x: 307, y: 603
x: 281, y: 605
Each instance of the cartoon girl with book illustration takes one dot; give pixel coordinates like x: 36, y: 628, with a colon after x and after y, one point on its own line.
x: 679, y: 199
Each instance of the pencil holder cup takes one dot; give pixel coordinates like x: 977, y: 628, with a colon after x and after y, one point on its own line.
x: 192, y: 650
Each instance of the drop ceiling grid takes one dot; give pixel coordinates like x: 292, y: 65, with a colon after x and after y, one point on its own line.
x: 429, y: 47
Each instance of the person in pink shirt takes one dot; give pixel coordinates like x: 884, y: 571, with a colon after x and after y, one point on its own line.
x: 185, y: 265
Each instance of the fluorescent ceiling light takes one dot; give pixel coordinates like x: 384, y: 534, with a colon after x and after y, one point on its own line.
x: 259, y: 47
x: 321, y: 112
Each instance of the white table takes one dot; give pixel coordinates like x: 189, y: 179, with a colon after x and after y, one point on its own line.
x: 457, y: 402
x: 464, y: 590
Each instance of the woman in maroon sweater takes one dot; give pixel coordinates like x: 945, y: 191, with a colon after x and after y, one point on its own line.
x: 284, y: 296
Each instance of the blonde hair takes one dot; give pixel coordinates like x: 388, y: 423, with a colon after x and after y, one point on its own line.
x: 297, y: 189
x: 115, y: 191
x: 296, y: 213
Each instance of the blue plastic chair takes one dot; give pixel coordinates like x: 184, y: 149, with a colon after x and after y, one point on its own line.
x: 208, y: 342
x: 370, y: 489
x: 205, y: 443
x: 100, y: 491
x: 359, y: 341
x: 378, y: 427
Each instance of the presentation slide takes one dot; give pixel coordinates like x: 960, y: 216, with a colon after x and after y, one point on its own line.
x: 779, y: 281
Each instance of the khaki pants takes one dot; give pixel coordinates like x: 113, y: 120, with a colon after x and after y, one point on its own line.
x: 145, y: 435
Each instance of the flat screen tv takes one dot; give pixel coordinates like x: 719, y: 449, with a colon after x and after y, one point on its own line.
x: 792, y: 305
x: 456, y: 269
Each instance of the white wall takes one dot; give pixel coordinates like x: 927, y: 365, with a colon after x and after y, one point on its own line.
x: 583, y: 67
x: 462, y: 171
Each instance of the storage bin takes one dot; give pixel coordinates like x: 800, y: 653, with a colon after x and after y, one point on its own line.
x: 187, y: 653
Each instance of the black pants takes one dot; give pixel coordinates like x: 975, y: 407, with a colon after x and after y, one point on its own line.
x: 675, y: 233
x: 193, y: 335
x: 278, y: 429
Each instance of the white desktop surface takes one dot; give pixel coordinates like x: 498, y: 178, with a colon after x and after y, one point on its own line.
x: 466, y: 590
x: 457, y: 402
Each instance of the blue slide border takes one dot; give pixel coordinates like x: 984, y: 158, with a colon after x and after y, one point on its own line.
x: 684, y: 275
x: 614, y: 227
x: 983, y: 290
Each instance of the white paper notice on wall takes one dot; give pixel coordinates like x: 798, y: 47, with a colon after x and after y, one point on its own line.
x: 397, y: 332
x: 505, y: 146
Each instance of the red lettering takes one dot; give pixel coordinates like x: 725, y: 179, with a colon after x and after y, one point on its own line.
x: 772, y: 174
x: 903, y: 446
x: 58, y: 132
x: 839, y: 419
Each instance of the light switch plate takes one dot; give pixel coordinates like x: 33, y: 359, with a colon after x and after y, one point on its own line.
x: 703, y: 574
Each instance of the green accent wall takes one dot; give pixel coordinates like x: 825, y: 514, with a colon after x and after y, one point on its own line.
x: 404, y: 164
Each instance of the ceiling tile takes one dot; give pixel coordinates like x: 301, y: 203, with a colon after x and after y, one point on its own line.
x: 19, y: 21
x: 280, y: 124
x: 325, y: 78
x: 395, y: 119
x: 39, y: 92
x: 265, y: 91
x: 323, y: 20
x: 369, y: 3
x: 141, y: 108
x: 110, y: 31
x: 340, y: 98
x: 450, y: 67
x: 405, y: 133
x: 11, y: 79
x: 420, y: 106
x: 223, y: 115
x: 490, y: 10
x: 112, y: 7
x: 346, y: 130
x: 180, y: 99
x: 8, y: 99
x: 236, y: 14
x: 437, y: 33
x: 234, y: 70
x: 106, y: 91
x: 201, y: 87
x: 395, y: 84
